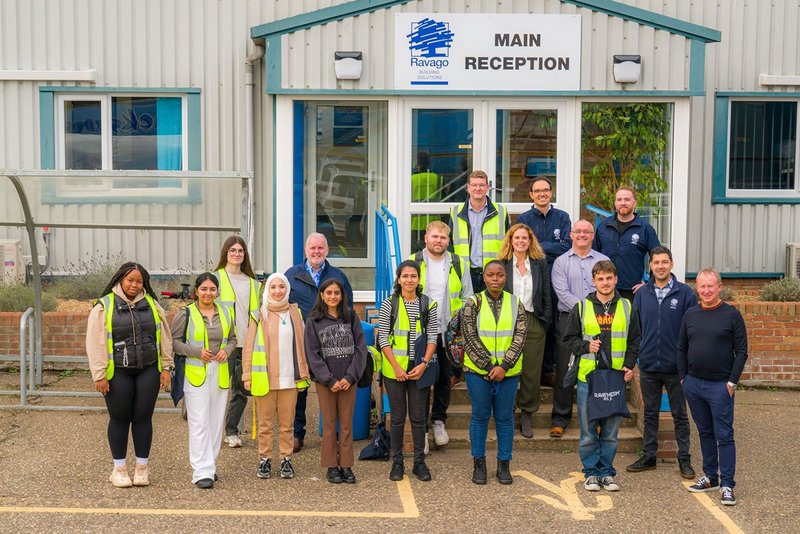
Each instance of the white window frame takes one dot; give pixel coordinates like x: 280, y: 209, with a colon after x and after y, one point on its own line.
x: 105, y: 188
x: 762, y: 193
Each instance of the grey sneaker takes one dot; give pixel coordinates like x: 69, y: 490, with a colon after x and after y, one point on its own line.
x: 287, y: 471
x: 592, y: 484
x: 264, y: 468
x: 609, y: 484
x: 726, y: 496
x: 703, y: 485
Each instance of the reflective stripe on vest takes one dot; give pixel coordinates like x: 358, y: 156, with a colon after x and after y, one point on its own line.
x: 493, y: 231
x: 619, y: 336
x: 453, y: 282
x: 496, y: 335
x: 108, y: 306
x: 227, y: 296
x: 259, y: 376
x: 197, y: 336
x: 398, y: 340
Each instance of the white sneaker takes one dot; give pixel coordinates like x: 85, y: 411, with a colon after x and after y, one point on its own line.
x: 141, y: 476
x: 440, y: 436
x: 119, y: 477
x: 427, y: 449
x: 234, y: 442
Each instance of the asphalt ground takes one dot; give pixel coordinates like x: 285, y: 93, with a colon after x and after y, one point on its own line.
x: 54, y: 469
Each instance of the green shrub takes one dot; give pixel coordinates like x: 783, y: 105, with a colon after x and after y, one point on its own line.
x: 85, y: 286
x: 782, y: 290
x: 18, y: 298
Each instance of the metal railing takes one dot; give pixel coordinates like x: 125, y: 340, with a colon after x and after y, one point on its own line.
x: 387, y: 257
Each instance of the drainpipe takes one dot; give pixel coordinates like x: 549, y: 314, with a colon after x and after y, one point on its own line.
x: 249, y: 83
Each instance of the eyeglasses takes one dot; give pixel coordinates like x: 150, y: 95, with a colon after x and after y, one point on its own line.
x: 236, y: 251
x: 540, y: 191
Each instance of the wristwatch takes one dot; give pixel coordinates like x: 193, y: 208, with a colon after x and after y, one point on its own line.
x: 732, y: 386
x: 167, y: 368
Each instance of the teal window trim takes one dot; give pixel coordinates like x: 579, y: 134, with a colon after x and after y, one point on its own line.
x: 274, y: 63
x: 697, y: 66
x: 47, y: 137
x: 416, y: 92
x: 719, y: 184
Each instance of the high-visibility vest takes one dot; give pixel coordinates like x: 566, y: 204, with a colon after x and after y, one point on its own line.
x: 259, y: 376
x: 453, y: 279
x: 108, y: 305
x: 227, y: 296
x: 619, y: 335
x: 197, y: 336
x: 493, y: 231
x: 398, y: 338
x: 496, y: 335
x: 424, y: 187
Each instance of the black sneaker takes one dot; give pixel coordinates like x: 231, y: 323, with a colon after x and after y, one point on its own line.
x: 503, y: 472
x: 726, y: 496
x: 704, y: 484
x: 421, y: 471
x: 686, y: 470
x: 645, y: 463
x: 479, y: 470
x: 287, y: 471
x: 264, y: 468
x: 347, y: 475
x: 333, y: 475
x: 398, y: 469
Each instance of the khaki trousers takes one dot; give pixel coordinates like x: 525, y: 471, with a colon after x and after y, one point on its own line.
x: 282, y: 402
x: 337, y: 406
x: 532, y: 355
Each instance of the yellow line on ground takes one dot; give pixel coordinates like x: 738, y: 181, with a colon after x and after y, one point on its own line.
x: 410, y: 510
x: 720, y: 516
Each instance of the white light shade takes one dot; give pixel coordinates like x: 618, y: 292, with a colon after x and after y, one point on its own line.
x: 627, y: 69
x: 348, y: 65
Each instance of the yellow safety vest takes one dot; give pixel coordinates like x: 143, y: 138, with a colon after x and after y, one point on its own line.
x: 108, y: 305
x: 496, y: 335
x: 259, y: 377
x: 493, y: 231
x: 398, y: 339
x: 197, y: 336
x: 227, y: 296
x: 619, y: 335
x: 453, y: 280
x: 424, y: 186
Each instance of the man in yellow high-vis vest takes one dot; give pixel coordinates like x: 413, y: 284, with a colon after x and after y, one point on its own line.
x: 477, y: 227
x: 603, y: 321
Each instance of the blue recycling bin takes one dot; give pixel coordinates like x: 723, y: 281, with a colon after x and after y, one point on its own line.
x: 363, y: 397
x: 665, y: 402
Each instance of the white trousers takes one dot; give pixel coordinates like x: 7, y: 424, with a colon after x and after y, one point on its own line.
x: 205, y: 410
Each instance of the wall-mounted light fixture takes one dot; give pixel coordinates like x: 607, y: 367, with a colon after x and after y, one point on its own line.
x: 348, y: 65
x: 627, y: 69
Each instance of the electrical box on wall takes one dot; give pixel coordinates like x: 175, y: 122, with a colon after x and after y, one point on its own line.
x: 13, y: 268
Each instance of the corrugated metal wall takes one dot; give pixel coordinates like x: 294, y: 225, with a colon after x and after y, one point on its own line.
x: 664, y: 55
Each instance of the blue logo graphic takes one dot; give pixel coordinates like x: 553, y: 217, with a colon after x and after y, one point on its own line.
x: 429, y: 38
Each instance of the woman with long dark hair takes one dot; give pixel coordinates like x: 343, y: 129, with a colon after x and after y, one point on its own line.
x: 528, y: 278
x: 129, y: 345
x: 337, y: 353
x: 403, y: 317
x: 204, y: 333
x: 238, y: 290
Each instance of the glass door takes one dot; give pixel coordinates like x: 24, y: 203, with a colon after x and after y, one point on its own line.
x: 345, y: 181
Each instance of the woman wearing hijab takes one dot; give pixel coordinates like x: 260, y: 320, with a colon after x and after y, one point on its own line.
x: 274, y: 367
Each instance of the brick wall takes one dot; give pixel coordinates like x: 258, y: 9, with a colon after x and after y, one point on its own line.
x: 773, y: 335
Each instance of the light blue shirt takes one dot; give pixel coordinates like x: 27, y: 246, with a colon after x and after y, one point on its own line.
x: 315, y: 276
x: 661, y: 293
x: 476, y: 219
x: 572, y: 277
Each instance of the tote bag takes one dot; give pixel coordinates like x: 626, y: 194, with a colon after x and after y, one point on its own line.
x: 606, y: 392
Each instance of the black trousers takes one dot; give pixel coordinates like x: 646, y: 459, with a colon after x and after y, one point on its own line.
x: 405, y: 398
x: 477, y: 280
x: 551, y: 340
x: 652, y: 384
x: 237, y: 401
x: 562, y: 397
x: 131, y: 399
x: 300, y: 414
x: 441, y: 389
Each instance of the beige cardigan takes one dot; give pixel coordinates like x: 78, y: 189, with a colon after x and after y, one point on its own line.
x: 273, y: 366
x: 96, y: 348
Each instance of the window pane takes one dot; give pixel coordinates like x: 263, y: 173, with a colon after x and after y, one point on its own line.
x: 762, y: 145
x: 83, y: 148
x: 441, y: 144
x: 146, y: 135
x: 526, y: 149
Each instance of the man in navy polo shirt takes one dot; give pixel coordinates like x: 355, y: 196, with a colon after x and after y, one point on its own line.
x: 661, y: 304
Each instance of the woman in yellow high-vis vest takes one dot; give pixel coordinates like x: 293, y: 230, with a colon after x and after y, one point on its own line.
x: 493, y: 324
x: 130, y: 355
x: 205, y: 334
x: 274, y: 368
x: 238, y: 289
x: 401, y: 320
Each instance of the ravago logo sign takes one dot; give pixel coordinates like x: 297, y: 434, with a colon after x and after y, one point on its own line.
x: 429, y: 42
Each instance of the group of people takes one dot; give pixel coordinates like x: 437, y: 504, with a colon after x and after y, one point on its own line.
x: 533, y: 301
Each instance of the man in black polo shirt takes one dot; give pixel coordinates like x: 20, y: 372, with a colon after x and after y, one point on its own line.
x: 712, y: 351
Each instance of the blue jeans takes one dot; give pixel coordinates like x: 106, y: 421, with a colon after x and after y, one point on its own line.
x: 597, y: 451
x: 486, y: 396
x: 712, y: 410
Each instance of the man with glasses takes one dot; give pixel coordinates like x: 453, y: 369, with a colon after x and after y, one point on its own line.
x: 551, y: 226
x: 478, y: 227
x: 572, y: 281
